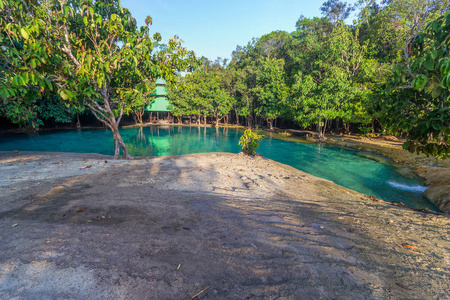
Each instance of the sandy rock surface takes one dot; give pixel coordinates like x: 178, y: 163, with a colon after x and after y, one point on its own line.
x: 89, y: 227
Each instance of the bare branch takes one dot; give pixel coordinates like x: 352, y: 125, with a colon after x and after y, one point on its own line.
x: 95, y: 112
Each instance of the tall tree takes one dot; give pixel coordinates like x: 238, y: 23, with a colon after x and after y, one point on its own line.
x: 419, y: 98
x: 84, y: 50
x: 336, y: 10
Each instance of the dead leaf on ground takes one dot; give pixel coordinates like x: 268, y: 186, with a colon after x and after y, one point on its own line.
x: 412, y: 247
x: 80, y: 209
x: 87, y: 167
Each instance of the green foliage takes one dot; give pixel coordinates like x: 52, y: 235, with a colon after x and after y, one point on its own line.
x: 388, y: 68
x: 418, y: 105
x: 89, y: 53
x: 332, y: 83
x: 249, y: 141
x: 202, y: 93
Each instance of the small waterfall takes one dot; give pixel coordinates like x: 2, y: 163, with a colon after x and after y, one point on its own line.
x: 419, y: 189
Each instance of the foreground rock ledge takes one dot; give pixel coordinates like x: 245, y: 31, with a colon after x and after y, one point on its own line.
x: 89, y: 227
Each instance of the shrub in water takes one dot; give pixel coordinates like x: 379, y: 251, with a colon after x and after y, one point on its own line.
x: 249, y: 141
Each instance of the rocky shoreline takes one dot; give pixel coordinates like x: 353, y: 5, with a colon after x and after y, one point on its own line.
x: 435, y: 172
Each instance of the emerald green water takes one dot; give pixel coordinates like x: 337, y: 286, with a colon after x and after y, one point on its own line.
x: 385, y: 180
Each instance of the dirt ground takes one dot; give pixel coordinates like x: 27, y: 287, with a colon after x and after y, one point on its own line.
x: 226, y: 226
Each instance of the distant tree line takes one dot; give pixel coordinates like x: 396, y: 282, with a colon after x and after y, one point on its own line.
x: 387, y: 72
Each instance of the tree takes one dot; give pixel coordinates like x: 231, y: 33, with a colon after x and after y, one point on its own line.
x: 336, y: 10
x: 419, y: 97
x: 270, y: 89
x: 330, y: 83
x: 86, y: 51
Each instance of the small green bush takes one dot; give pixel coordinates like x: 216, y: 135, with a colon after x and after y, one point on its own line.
x: 249, y: 141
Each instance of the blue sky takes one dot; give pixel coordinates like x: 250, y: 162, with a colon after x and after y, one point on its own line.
x: 214, y: 28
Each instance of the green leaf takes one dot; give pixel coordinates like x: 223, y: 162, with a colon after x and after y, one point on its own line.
x: 445, y: 68
x: 429, y: 64
x: 419, y: 82
x: 62, y: 94
x: 437, y: 92
x: 434, y: 54
x: 1, y: 4
x: 48, y: 83
x: 445, y: 83
x: 33, y: 63
x: 24, y: 33
x: 85, y: 21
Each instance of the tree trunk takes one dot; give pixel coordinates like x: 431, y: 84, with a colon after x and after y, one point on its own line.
x: 318, y: 129
x: 347, y: 127
x: 321, y: 128
x: 270, y: 123
x: 338, y: 125
x: 78, y: 121
x: 104, y: 114
x: 119, y: 143
x: 138, y: 116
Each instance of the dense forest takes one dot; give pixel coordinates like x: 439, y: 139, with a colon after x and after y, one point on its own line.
x: 388, y: 72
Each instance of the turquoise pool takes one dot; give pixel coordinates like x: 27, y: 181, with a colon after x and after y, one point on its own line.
x: 349, y: 168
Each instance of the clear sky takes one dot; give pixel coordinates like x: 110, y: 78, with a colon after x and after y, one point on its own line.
x: 213, y: 28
